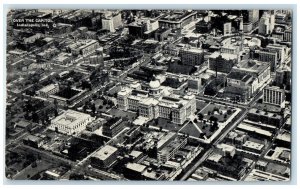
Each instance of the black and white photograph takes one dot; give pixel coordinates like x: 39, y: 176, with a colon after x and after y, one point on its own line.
x: 190, y: 95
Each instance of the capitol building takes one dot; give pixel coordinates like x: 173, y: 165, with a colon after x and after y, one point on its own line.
x: 157, y: 101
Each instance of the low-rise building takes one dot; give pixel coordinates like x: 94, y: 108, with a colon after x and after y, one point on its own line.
x: 48, y: 90
x: 253, y: 147
x: 33, y: 141
x: 104, y: 157
x: 113, y: 126
x: 170, y: 149
x: 225, y: 149
x: 70, y: 122
x: 84, y: 47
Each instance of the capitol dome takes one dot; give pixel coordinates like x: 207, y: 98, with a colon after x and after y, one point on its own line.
x: 154, y: 84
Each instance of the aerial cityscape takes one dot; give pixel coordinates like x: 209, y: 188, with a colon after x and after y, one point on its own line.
x: 161, y: 95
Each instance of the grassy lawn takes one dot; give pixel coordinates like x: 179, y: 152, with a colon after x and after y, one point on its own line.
x: 165, y: 124
x: 114, y: 90
x: 99, y: 102
x: 219, y: 111
x: 200, y: 104
x: 120, y: 113
x: 198, y: 128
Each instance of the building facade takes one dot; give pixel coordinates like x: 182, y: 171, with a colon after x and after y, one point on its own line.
x: 104, y: 157
x: 48, y: 90
x: 112, y: 22
x: 155, y: 103
x: 274, y: 95
x: 191, y: 56
x: 70, y: 122
x: 268, y: 56
x: 222, y: 62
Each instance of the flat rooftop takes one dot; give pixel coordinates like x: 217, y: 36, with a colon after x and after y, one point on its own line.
x: 70, y: 117
x: 252, y: 66
x: 253, y: 145
x: 48, y: 88
x: 105, y: 152
x: 224, y: 55
x: 239, y: 76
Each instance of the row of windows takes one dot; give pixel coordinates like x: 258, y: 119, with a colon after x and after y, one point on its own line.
x: 165, y: 157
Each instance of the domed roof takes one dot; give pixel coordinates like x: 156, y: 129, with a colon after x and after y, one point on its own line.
x: 154, y: 84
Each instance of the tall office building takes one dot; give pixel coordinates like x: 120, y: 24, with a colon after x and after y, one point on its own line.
x: 274, y: 95
x: 266, y: 23
x: 227, y: 28
x: 191, y: 56
x: 287, y: 35
x: 267, y: 55
x: 112, y: 22
x: 253, y: 17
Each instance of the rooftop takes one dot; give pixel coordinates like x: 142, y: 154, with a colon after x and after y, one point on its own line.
x: 215, y: 157
x: 136, y: 167
x: 253, y: 145
x: 225, y: 147
x: 223, y: 55
x: 48, y: 88
x: 252, y: 66
x: 239, y: 76
x: 165, y: 139
x: 105, y: 152
x: 33, y: 138
x: 254, y: 129
x: 70, y: 118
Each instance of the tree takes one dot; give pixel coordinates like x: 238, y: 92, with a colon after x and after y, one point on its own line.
x: 35, y: 117
x: 215, y: 124
x: 93, y: 108
x: 213, y: 119
x: 55, y: 103
x: 200, y: 116
x: 225, y: 116
x: 156, y: 121
x: 55, y: 112
x: 104, y: 102
x: 76, y: 176
x: 34, y: 164
x: 229, y: 111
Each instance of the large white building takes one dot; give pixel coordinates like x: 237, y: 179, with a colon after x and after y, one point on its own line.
x: 48, y: 90
x: 274, y: 95
x: 266, y: 23
x: 157, y: 102
x: 253, y: 16
x: 112, y: 22
x: 260, y: 71
x: 227, y: 29
x: 70, y: 122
